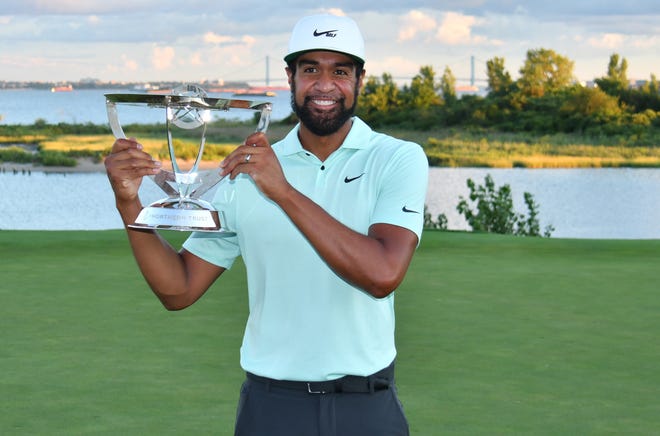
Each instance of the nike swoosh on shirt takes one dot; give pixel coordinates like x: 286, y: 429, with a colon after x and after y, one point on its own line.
x: 350, y: 179
x: 405, y: 209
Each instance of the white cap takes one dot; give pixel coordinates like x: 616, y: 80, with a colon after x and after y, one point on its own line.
x: 326, y: 32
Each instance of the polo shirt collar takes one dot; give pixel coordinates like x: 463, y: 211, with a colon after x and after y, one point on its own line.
x: 357, y: 138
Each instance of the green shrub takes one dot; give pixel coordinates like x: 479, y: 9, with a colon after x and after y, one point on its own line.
x: 55, y: 159
x: 429, y: 223
x: 495, y: 213
x: 15, y: 154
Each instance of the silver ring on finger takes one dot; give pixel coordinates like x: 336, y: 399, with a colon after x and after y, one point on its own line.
x: 247, y: 158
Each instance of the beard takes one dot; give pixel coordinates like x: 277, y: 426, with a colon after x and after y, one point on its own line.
x: 323, y: 123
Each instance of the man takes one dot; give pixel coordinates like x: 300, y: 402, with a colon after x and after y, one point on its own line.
x: 326, y: 221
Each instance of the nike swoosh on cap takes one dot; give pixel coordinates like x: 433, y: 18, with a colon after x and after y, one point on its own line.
x: 329, y: 33
x: 405, y: 209
x: 350, y: 179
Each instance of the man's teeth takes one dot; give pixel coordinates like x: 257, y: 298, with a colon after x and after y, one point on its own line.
x: 324, y: 102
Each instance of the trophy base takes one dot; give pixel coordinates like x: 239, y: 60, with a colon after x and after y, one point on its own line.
x: 178, y: 215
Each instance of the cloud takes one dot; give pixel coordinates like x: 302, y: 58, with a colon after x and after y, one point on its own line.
x: 196, y: 59
x: 162, y: 57
x: 452, y: 28
x: 415, y: 22
x: 334, y: 11
x: 456, y: 29
x: 223, y: 40
x: 607, y: 40
x: 214, y: 38
x: 397, y: 66
x: 248, y: 40
x: 646, y: 42
x: 618, y: 41
x: 129, y: 64
x: 76, y: 7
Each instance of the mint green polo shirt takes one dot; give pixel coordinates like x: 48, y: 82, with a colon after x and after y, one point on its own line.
x: 305, y: 322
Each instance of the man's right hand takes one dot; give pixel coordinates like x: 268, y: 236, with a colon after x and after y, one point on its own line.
x: 126, y: 165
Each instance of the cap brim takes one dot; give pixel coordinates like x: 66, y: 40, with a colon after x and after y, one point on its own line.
x: 292, y: 56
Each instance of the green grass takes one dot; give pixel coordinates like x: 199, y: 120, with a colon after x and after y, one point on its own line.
x: 496, y: 335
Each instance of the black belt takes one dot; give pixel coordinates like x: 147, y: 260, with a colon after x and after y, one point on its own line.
x: 378, y: 381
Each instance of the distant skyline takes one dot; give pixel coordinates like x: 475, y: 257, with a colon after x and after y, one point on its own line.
x: 196, y: 40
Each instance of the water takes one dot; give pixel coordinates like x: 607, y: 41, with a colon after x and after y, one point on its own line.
x: 585, y: 203
x: 616, y: 203
x: 61, y: 201
x: 579, y: 203
x: 88, y: 106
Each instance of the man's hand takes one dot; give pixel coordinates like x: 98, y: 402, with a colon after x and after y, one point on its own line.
x: 257, y: 159
x: 126, y: 165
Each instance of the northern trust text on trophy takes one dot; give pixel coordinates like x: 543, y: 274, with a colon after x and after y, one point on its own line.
x: 187, y: 109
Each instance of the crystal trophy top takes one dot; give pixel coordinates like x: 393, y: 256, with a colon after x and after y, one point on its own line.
x: 186, y: 108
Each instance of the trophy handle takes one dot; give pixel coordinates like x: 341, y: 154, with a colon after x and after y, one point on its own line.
x: 113, y: 118
x: 264, y: 119
x: 211, y: 178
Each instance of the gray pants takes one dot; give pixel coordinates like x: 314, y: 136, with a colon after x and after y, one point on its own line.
x: 267, y: 409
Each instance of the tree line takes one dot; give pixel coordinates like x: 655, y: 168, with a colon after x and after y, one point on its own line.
x: 544, y: 99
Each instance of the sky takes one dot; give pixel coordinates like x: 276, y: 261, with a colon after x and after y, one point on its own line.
x: 196, y: 40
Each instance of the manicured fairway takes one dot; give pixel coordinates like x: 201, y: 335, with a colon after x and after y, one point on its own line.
x: 496, y: 335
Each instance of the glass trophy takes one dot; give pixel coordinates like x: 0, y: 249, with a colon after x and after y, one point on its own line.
x: 187, y: 108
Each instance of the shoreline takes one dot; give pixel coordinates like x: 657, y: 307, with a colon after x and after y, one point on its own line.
x: 85, y: 165
x: 88, y: 165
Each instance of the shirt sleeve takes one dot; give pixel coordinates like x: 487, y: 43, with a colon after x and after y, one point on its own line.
x: 402, y: 193
x: 216, y: 248
x: 221, y: 248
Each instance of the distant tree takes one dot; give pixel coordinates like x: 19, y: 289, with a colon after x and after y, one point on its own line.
x: 423, y: 90
x: 652, y: 86
x: 379, y: 98
x: 616, y: 81
x: 646, y: 97
x: 448, y: 86
x: 588, y: 106
x: 499, y: 79
x: 544, y: 71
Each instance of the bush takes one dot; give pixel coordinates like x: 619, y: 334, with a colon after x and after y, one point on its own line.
x: 429, y: 223
x: 15, y: 154
x: 495, y: 213
x: 55, y: 159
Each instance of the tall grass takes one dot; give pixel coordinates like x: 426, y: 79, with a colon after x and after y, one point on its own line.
x: 444, y: 147
x: 491, y: 152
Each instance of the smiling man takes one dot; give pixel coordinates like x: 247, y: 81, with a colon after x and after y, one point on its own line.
x: 326, y: 221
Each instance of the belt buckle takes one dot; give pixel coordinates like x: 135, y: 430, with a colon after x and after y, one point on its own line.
x: 313, y: 391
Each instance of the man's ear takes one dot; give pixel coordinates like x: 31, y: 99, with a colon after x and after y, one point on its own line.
x: 361, y: 79
x: 289, y: 75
